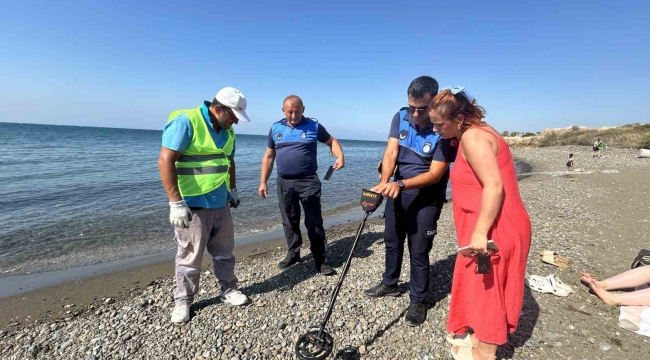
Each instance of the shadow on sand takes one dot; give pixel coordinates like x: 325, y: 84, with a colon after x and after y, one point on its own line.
x: 337, y: 254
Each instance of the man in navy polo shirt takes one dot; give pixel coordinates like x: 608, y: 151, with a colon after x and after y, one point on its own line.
x: 293, y: 142
x: 420, y: 160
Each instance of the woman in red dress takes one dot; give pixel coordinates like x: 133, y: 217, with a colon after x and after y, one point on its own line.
x: 484, y: 307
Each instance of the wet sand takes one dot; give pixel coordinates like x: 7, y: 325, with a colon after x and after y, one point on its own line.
x: 26, y: 299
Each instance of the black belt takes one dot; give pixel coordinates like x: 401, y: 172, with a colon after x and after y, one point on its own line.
x: 195, y: 208
x: 296, y: 177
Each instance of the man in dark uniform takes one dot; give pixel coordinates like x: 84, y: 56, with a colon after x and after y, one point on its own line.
x: 415, y: 197
x: 294, y: 141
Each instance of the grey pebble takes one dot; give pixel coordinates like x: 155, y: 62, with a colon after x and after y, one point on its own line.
x: 65, y: 345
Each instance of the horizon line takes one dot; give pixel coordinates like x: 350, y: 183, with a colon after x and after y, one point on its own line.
x: 140, y: 129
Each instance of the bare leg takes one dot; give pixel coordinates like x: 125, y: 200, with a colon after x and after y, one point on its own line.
x: 629, y: 279
x: 465, y: 336
x: 483, y: 351
x: 633, y: 298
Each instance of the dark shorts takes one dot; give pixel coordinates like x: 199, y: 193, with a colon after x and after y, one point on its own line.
x: 596, y: 148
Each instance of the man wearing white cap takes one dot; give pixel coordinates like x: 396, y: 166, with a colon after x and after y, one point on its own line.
x: 197, y: 169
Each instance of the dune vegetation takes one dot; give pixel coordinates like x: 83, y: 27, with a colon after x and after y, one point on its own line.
x: 634, y: 136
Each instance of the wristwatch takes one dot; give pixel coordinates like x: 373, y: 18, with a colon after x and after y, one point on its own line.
x: 400, y: 183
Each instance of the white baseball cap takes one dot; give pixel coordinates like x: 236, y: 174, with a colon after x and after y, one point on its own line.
x: 235, y: 100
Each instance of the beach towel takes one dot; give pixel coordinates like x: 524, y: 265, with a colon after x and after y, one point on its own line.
x: 636, y: 318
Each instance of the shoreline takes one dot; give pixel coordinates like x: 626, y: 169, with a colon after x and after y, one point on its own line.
x: 47, y: 293
x: 44, y: 295
x: 265, y: 230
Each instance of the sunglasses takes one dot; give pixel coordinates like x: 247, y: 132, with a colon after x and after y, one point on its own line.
x: 411, y: 110
x: 228, y: 110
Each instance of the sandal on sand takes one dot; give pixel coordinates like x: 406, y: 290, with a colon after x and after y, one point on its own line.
x: 461, y: 342
x: 546, y: 285
x: 553, y: 258
x: 463, y: 353
x: 553, y: 278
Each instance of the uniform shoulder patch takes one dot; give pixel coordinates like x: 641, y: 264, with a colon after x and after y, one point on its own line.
x: 279, y: 136
x: 303, y: 135
x: 426, y: 148
x: 403, y: 134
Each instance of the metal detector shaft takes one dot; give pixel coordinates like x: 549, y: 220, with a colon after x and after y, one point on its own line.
x: 343, y: 273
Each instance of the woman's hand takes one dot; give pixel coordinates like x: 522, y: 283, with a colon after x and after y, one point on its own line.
x: 478, y: 243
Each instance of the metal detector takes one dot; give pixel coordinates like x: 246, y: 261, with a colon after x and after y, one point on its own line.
x: 317, y: 344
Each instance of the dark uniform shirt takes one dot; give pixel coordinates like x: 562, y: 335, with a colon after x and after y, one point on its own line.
x: 296, y: 147
x: 417, y: 148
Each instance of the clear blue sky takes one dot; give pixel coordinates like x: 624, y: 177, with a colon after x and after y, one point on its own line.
x: 531, y: 64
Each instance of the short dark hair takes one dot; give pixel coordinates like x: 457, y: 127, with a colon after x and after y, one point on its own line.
x: 216, y: 103
x: 422, y: 86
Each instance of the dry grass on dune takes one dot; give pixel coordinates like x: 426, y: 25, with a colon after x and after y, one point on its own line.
x: 627, y: 136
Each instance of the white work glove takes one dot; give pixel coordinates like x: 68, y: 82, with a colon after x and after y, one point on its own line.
x: 179, y: 214
x: 234, y: 198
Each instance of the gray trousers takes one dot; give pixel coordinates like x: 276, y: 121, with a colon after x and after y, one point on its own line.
x: 210, y: 229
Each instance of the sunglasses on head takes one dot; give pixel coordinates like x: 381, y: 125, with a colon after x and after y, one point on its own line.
x: 411, y: 110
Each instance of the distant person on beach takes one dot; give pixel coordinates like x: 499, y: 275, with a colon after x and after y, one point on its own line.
x: 630, y: 279
x: 569, y: 164
x: 596, y: 148
x: 415, y: 196
x: 486, y: 301
x: 197, y: 169
x: 292, y: 142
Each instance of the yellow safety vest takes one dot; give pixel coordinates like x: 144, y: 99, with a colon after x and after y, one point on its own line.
x: 203, y: 166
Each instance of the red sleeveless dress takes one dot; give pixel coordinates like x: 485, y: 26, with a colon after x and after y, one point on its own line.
x: 490, y: 304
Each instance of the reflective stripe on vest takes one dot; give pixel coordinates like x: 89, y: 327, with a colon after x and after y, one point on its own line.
x: 202, y: 167
x: 202, y: 170
x: 197, y: 158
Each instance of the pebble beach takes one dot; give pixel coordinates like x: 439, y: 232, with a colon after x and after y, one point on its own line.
x: 595, y: 216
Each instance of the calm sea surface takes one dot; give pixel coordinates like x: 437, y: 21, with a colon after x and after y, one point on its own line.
x: 72, y: 196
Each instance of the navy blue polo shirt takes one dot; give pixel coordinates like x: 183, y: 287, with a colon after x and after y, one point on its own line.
x: 417, y: 149
x: 295, y: 147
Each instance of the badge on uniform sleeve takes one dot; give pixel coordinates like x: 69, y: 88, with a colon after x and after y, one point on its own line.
x: 402, y: 134
x: 279, y: 136
x: 303, y: 135
x: 427, y: 147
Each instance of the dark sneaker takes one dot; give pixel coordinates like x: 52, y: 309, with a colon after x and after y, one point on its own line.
x: 289, y: 260
x: 416, y: 314
x: 326, y: 270
x: 382, y: 290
